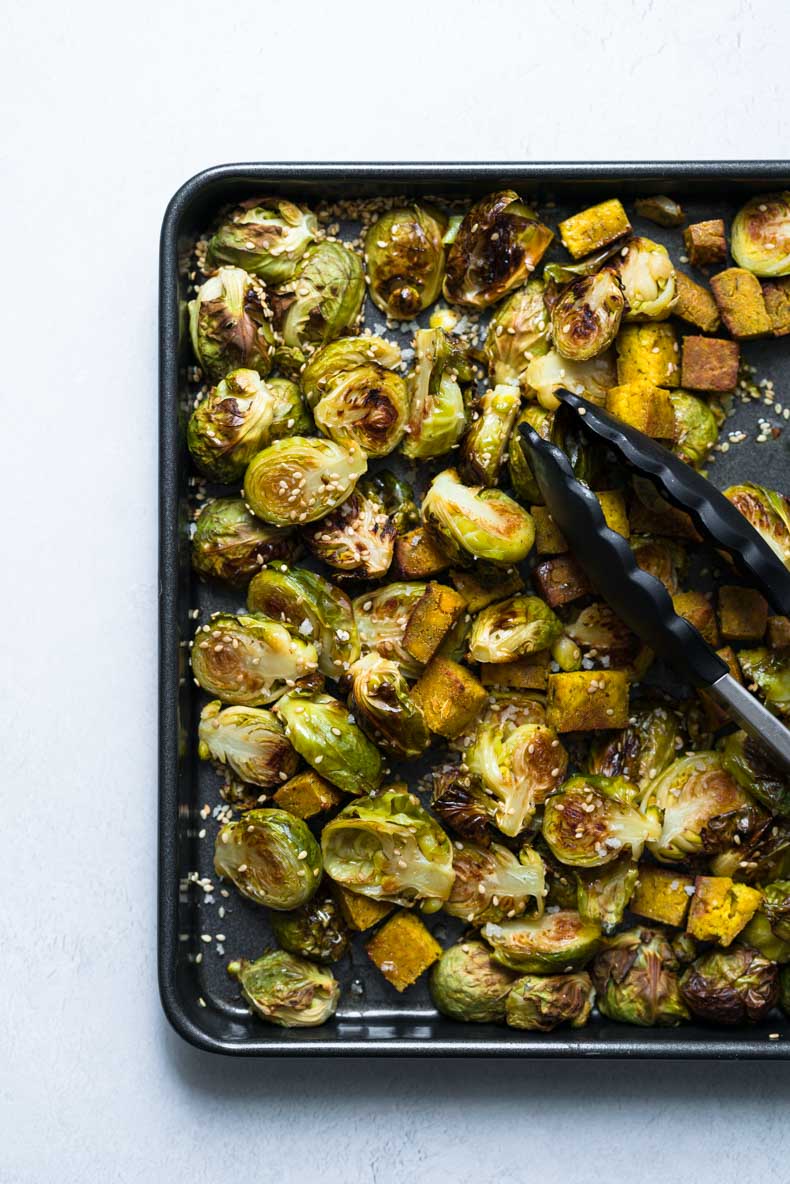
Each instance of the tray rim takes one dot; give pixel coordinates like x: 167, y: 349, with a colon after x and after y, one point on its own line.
x: 526, y: 1046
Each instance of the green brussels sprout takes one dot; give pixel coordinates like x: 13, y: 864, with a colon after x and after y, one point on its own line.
x: 315, y: 930
x: 764, y: 856
x: 518, y: 331
x: 356, y: 396
x: 271, y: 857
x: 313, y: 609
x: 589, y: 458
x: 512, y: 628
x: 768, y: 512
x: 455, y: 644
x: 460, y: 800
x: 559, y: 941
x: 640, y: 752
x: 358, y: 538
x: 382, y: 615
x: 557, y: 274
x: 265, y: 235
x: 636, y: 982
x: 249, y: 740
x: 385, y: 709
x: 322, y: 300
x: 593, y: 819
x: 690, y: 792
x: 290, y: 416
x: 586, y: 318
x: 287, y: 990
x: 343, y: 356
x: 769, y: 672
x: 561, y: 889
x: 248, y: 660
x: 761, y: 235
x: 603, y: 893
x: 496, y: 247
x: 485, y: 443
x: 750, y: 765
x: 491, y: 884
x: 404, y: 252
x: 467, y: 985
x: 769, y: 929
x: 601, y: 635
x: 732, y: 986
x: 300, y: 479
x: 519, y: 766
x: 228, y: 325
x: 665, y: 559
x: 660, y: 209
x: 540, y: 1003
x: 322, y: 731
x: 396, y: 496
x: 477, y: 523
x: 648, y: 279
x: 521, y: 476
x: 229, y: 426
x: 696, y: 427
x: 229, y: 544
x: 784, y: 989
x: 388, y: 847
x: 552, y: 371
x: 437, y: 412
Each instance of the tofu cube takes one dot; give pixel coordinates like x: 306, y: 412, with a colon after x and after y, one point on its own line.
x: 359, y: 912
x: 587, y: 700
x: 740, y: 299
x: 720, y: 909
x: 450, y: 697
x: 307, y: 794
x: 595, y: 227
x: 419, y: 555
x: 431, y: 619
x: 705, y: 242
x: 662, y: 895
x: 648, y: 353
x: 403, y: 949
x: 709, y: 364
x: 667, y: 521
x: 643, y: 406
x: 614, y: 511
x: 776, y: 294
x: 695, y: 304
x: 743, y: 614
x: 715, y: 715
x: 697, y: 609
x: 560, y: 580
x: 548, y: 539
x: 779, y: 632
x: 524, y: 674
x: 479, y: 591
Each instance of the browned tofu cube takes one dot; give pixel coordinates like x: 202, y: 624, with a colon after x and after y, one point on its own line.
x: 450, y: 697
x: 779, y: 632
x: 593, y: 228
x: 614, y: 511
x: 479, y: 591
x: 695, y: 304
x: 648, y: 353
x: 307, y: 794
x: 720, y: 909
x: 662, y: 895
x: 419, y: 555
x: 740, y: 299
x: 709, y: 364
x: 403, y: 949
x: 548, y: 539
x: 646, y: 407
x: 524, y: 674
x: 431, y: 619
x: 743, y: 614
x: 697, y: 609
x: 776, y: 294
x: 560, y: 580
x: 705, y: 242
x: 587, y: 700
x: 359, y: 912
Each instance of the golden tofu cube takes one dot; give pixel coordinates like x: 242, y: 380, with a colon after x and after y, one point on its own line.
x: 431, y: 619
x: 560, y: 580
x: 593, y: 228
x: 418, y: 555
x: 587, y: 700
x: 697, y: 609
x: 548, y: 539
x: 403, y: 949
x: 743, y: 614
x: 720, y: 909
x: 480, y: 591
x: 359, y: 912
x: 709, y: 364
x: 740, y: 299
x: 705, y: 242
x: 776, y: 294
x: 779, y: 632
x: 307, y: 794
x: 662, y: 895
x: 450, y: 697
x: 643, y: 406
x: 648, y: 353
x: 524, y: 674
x: 614, y: 511
x: 695, y: 304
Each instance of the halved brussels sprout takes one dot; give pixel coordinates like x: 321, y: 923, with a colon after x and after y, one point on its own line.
x: 265, y: 235
x: 365, y: 405
x: 552, y: 371
x: 477, y: 523
x: 751, y: 766
x: 586, y: 318
x: 231, y: 545
x: 690, y: 792
x: 732, y: 986
x: 322, y: 731
x: 555, y: 942
x: 290, y: 416
x: 519, y: 766
x: 323, y: 298
x: 485, y: 443
x: 696, y: 428
x: 768, y: 512
x: 385, y: 709
x: 762, y: 857
x: 660, y: 209
x: 382, y: 615
x: 761, y: 235
x: 540, y: 1003
x: 491, y: 884
x: 358, y: 538
x: 601, y: 635
x: 461, y: 801
x: 769, y: 672
x: 496, y: 247
x: 249, y: 740
x: 388, y: 847
x: 640, y: 752
x: 603, y: 893
x: 511, y: 628
x: 521, y: 476
x: 313, y: 609
x: 519, y: 331
x: 396, y: 496
x: 769, y: 929
x: 271, y: 857
x: 249, y: 660
x: 340, y: 357
x: 300, y: 479
x: 592, y: 820
x: 648, y: 278
x: 665, y: 559
x: 437, y: 414
x: 315, y: 930
x: 286, y: 990
x: 466, y: 984
x: 230, y: 425
x: 404, y: 251
x: 565, y: 273
x: 228, y: 325
x: 636, y: 981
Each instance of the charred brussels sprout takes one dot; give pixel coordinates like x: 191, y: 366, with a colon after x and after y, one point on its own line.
x: 316, y: 930
x: 636, y: 981
x: 519, y: 766
x: 491, y: 884
x: 404, y: 251
x: 555, y: 942
x: 696, y: 428
x: 498, y: 244
x: 521, y: 476
x: 340, y: 357
x: 518, y: 331
x: 313, y: 609
x: 460, y: 800
x: 768, y: 512
x: 748, y: 762
x: 477, y: 523
x: 540, y: 1003
x: 437, y: 415
x: 761, y: 235
x: 249, y: 660
x: 228, y: 325
x: 286, y: 990
x: 762, y: 856
x: 690, y: 793
x: 358, y: 538
x: 300, y: 479
x: 385, y: 709
x: 769, y: 929
x: 586, y: 318
x: 592, y: 820
x: 486, y: 441
x: 323, y: 298
x: 466, y: 984
x: 321, y: 731
x: 389, y: 848
x: 641, y: 751
x: 731, y: 986
x: 648, y: 279
x: 271, y: 857
x: 231, y: 545
x: 512, y: 628
x: 768, y: 671
x: 267, y: 236
x: 249, y: 740
x: 551, y: 371
x: 356, y: 396
x: 600, y: 634
x: 382, y: 616
x: 290, y: 417
x: 603, y: 893
x: 396, y: 497
x: 229, y: 426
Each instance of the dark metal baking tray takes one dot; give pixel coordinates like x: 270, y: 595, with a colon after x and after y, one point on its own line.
x: 200, y: 1001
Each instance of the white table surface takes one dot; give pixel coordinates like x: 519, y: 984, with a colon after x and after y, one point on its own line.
x: 105, y: 111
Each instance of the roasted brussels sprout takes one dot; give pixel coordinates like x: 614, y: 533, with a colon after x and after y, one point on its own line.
x: 491, y: 884
x: 750, y: 765
x: 769, y: 929
x: 461, y: 801
x: 228, y: 325
x: 592, y: 378
x: 382, y: 615
x: 556, y: 942
x: 437, y: 415
x: 230, y: 544
x: 761, y: 235
x: 340, y: 357
x: 521, y: 475
x: 696, y: 426
x: 592, y: 820
x: 300, y: 479
x: 286, y: 990
x: 266, y: 235
x: 271, y: 857
x: 323, y: 298
x: 519, y: 331
x: 404, y: 252
x: 763, y: 856
x: 586, y: 318
x: 519, y: 765
x: 466, y: 984
x: 636, y: 982
x: 486, y: 441
x: 660, y: 209
x: 603, y: 893
x: 602, y: 636
x: 229, y: 426
x: 690, y: 793
x: 316, y: 930
x: 322, y: 731
x: 385, y: 709
x: 768, y: 512
x: 512, y: 628
x: 731, y: 986
x: 358, y: 538
x: 249, y: 740
x: 477, y: 523
x: 313, y: 609
x: 396, y: 497
x: 540, y: 1003
x: 249, y: 660
x: 290, y: 416
x: 648, y: 280
x: 356, y: 396
x: 769, y: 672
x: 498, y: 244
x: 641, y: 751
x: 389, y: 848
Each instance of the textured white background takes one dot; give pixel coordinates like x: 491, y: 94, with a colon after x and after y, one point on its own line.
x: 105, y: 110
